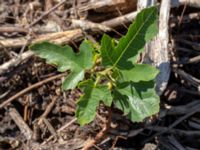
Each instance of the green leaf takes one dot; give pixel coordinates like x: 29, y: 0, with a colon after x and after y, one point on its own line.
x: 139, y: 72
x: 65, y: 59
x: 143, y: 29
x: 107, y: 48
x: 137, y: 100
x: 87, y: 104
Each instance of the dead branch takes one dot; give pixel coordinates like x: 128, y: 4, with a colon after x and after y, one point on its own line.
x: 58, y: 37
x: 87, y: 25
x: 59, y: 130
x: 50, y: 127
x: 6, y: 102
x: 47, y: 110
x: 121, y: 20
x: 15, y: 61
x: 192, y: 3
x: 178, y: 110
x: 113, y: 22
x: 176, y: 143
x: 102, y: 5
x: 191, y: 79
x: 50, y: 27
x: 73, y: 144
x: 26, y: 131
x: 11, y: 29
x: 101, y: 134
x: 47, y: 12
x: 174, y: 131
x: 105, y: 26
x: 175, y: 123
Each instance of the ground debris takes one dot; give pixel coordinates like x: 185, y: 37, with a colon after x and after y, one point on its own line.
x: 36, y: 114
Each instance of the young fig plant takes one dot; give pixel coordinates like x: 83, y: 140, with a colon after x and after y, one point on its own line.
x: 120, y: 80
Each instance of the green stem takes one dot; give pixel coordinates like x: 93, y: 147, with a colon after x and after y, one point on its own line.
x: 97, y: 80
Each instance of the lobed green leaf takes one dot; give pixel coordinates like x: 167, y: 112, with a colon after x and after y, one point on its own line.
x: 65, y: 59
x: 87, y: 104
x: 137, y: 100
x: 143, y: 29
x: 139, y: 72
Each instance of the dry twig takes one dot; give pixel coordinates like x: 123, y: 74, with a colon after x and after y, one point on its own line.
x: 175, y: 123
x: 59, y: 130
x: 175, y: 131
x: 47, y: 110
x: 191, y: 80
x: 12, y: 98
x: 101, y: 134
x: 20, y: 123
x: 47, y: 12
x: 192, y: 3
x: 179, y: 110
